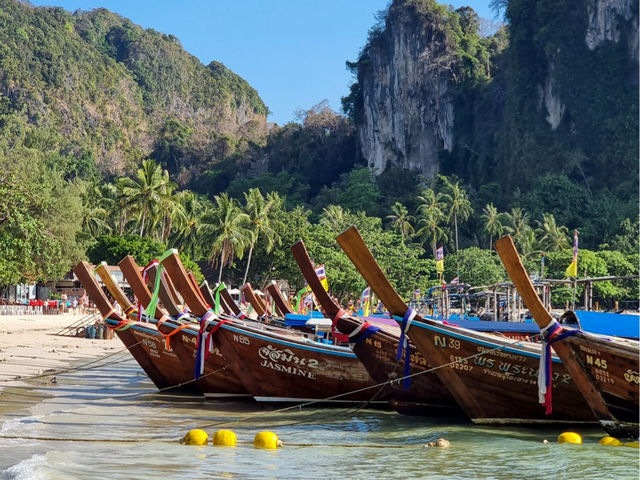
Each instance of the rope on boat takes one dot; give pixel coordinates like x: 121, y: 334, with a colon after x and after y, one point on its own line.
x: 237, y: 420
x: 378, y: 385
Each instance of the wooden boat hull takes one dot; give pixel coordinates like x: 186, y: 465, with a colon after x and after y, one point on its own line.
x: 492, y: 378
x: 216, y: 381
x: 605, y: 369
x: 285, y: 369
x: 425, y: 395
x: 506, y: 374
x: 174, y: 369
x: 143, y: 349
x: 614, y: 370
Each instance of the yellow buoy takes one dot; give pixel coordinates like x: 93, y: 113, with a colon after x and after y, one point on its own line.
x: 195, y: 437
x: 569, y: 437
x: 610, y: 442
x: 632, y: 444
x: 225, y: 438
x: 267, y: 440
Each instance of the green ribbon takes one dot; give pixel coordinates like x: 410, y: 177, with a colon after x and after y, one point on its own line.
x: 299, y: 298
x: 216, y: 306
x: 125, y: 327
x: 153, y: 303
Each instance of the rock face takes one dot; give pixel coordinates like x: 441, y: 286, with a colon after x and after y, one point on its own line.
x: 553, y: 104
x: 408, y: 70
x: 407, y: 110
x: 605, y: 19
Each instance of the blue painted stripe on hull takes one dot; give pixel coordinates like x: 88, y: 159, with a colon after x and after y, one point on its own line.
x: 338, y: 351
x: 484, y: 343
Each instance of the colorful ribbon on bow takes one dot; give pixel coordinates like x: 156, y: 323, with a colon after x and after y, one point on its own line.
x: 550, y: 334
x: 403, y: 344
x: 216, y: 306
x: 153, y: 303
x: 358, y: 334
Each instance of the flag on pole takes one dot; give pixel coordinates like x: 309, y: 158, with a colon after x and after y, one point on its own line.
x: 365, y: 302
x: 572, y: 269
x: 440, y: 260
x: 322, y: 275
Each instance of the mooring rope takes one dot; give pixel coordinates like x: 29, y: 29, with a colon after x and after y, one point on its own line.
x: 74, y: 368
x: 241, y: 442
x: 378, y: 385
x: 254, y: 415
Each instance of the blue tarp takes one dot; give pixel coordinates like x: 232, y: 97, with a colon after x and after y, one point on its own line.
x: 298, y: 320
x: 606, y: 323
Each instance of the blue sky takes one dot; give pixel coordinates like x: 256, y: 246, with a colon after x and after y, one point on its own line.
x: 292, y: 52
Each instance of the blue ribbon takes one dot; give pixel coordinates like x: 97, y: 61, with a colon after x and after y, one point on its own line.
x: 549, y: 337
x: 403, y: 344
x: 364, y: 334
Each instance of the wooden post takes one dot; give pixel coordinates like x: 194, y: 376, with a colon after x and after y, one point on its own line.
x: 495, y: 304
x: 586, y: 296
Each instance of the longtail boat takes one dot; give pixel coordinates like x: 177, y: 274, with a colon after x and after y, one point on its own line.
x: 217, y: 299
x: 261, y: 309
x: 604, y: 369
x: 282, y: 305
x: 167, y: 294
x: 492, y: 378
x: 139, y: 338
x: 217, y: 380
x: 276, y: 364
x: 256, y: 302
x: 376, y: 346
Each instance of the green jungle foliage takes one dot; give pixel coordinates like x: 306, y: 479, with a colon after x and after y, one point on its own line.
x: 585, y: 171
x: 115, y: 141
x: 113, y: 248
x: 95, y: 87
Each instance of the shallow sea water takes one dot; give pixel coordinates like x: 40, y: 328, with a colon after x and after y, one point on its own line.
x: 110, y: 423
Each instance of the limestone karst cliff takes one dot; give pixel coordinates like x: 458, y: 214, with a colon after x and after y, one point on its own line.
x: 555, y: 90
x: 405, y: 80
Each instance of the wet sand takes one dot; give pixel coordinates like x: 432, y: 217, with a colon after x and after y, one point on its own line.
x: 30, y: 345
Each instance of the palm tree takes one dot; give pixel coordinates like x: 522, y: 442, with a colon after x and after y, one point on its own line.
x: 492, y: 222
x: 188, y: 223
x: 144, y: 191
x: 401, y: 220
x: 519, y: 228
x: 96, y: 209
x: 430, y: 202
x: 225, y: 227
x: 458, y: 203
x: 334, y: 217
x: 168, y: 209
x: 553, y: 237
x: 431, y: 229
x: 257, y: 209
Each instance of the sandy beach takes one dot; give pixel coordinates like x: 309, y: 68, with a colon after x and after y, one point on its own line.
x: 30, y: 346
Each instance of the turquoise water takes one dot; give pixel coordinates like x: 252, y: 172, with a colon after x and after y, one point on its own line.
x: 134, y: 433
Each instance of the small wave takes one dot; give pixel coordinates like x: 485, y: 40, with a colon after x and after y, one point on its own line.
x: 29, y: 469
x: 10, y: 426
